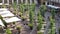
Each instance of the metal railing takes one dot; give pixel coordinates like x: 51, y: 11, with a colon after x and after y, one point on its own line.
x: 18, y: 1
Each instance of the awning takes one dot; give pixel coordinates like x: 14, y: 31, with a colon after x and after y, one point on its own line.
x: 55, y: 7
x: 12, y: 19
x: 1, y: 23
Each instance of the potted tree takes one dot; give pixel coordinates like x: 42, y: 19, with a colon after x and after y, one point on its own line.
x: 18, y: 29
x: 31, y: 26
x: 8, y: 31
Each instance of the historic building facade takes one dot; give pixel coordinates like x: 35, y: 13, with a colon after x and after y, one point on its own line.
x: 18, y: 1
x: 54, y: 2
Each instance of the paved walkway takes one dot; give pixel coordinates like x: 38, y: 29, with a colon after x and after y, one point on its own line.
x: 47, y: 15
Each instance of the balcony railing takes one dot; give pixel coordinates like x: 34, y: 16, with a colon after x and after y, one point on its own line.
x: 17, y: 1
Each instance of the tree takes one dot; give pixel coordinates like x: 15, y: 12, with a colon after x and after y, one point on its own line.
x: 40, y: 21
x: 52, y: 24
x: 43, y: 10
x: 53, y: 13
x: 8, y: 31
x: 31, y: 16
x: 15, y: 8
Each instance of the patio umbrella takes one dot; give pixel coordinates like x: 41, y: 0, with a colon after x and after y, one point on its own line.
x: 1, y: 23
x: 12, y: 19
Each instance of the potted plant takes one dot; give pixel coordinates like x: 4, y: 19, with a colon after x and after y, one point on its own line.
x: 8, y: 31
x: 31, y: 26
x: 18, y: 29
x: 39, y: 32
x: 23, y: 18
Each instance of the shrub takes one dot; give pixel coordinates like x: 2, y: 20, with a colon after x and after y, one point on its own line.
x: 31, y: 26
x: 8, y: 31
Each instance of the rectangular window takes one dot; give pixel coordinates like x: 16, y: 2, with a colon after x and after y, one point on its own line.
x: 10, y: 1
x: 19, y: 1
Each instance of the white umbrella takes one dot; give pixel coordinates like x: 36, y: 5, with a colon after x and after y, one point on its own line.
x: 7, y: 15
x: 3, y: 9
x: 12, y: 19
x: 1, y: 23
x: 3, y: 12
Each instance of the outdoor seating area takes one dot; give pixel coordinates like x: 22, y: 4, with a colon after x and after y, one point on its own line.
x: 29, y: 17
x: 8, y: 17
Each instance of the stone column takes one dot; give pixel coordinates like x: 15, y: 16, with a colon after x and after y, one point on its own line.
x: 12, y: 1
x: 8, y: 1
x: 30, y: 2
x: 17, y: 2
x: 35, y: 1
x: 46, y: 2
x: 26, y: 1
x: 3, y: 1
x: 21, y: 1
